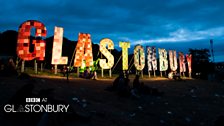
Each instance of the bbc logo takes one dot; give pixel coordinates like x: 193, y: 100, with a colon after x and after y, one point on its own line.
x: 32, y: 99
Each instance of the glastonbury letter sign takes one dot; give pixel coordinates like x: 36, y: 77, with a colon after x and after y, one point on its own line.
x: 106, y: 53
x: 23, y: 43
x: 83, y: 51
x: 57, y: 47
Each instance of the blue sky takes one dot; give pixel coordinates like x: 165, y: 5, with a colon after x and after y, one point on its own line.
x: 169, y: 24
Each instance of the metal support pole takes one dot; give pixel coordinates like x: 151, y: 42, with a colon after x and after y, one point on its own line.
x: 77, y: 71
x: 101, y: 72
x: 110, y: 73
x: 41, y: 67
x: 23, y: 66
x: 55, y: 69
x: 142, y: 73
x: 35, y: 66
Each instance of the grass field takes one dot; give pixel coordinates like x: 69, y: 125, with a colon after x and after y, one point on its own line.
x: 185, y: 103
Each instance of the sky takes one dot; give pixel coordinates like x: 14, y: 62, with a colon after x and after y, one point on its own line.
x: 170, y: 24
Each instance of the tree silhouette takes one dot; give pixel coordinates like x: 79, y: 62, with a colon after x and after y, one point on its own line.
x: 201, y: 65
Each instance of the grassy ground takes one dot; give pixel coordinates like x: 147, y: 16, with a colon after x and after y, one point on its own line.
x: 184, y: 103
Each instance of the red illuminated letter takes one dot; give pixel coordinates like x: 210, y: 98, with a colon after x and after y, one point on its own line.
x: 23, y: 43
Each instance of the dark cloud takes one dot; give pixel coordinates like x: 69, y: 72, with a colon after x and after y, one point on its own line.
x: 164, y: 22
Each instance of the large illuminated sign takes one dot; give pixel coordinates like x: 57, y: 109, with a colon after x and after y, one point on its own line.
x: 139, y: 57
x: 106, y: 53
x: 83, y: 51
x: 23, y: 42
x: 151, y: 58
x: 57, y: 47
x: 163, y: 62
x: 124, y: 46
x: 84, y: 44
x: 173, y: 60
